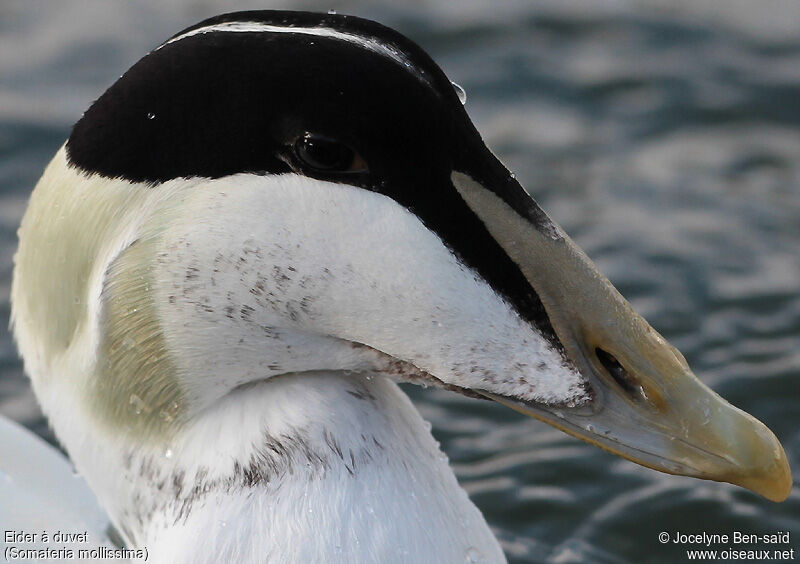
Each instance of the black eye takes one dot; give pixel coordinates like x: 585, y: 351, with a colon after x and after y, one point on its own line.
x: 327, y: 155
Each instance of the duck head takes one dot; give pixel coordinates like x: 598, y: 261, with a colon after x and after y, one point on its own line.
x: 271, y: 193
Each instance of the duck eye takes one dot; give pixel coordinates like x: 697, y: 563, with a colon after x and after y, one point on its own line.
x: 323, y: 154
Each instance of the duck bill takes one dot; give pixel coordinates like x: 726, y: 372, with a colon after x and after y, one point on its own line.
x: 646, y: 404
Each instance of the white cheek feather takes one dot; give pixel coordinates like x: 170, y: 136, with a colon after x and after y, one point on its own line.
x: 267, y: 275
x: 255, y: 278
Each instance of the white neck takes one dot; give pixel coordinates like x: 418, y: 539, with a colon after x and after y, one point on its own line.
x: 303, y: 468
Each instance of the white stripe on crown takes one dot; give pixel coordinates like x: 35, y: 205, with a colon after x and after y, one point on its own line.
x: 256, y: 27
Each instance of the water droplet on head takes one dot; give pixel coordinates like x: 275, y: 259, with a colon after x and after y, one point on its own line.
x: 473, y: 556
x: 462, y: 95
x: 332, y: 12
x: 151, y: 115
x: 168, y: 454
x: 136, y: 403
x: 427, y: 424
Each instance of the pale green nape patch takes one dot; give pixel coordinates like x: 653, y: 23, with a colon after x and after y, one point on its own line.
x: 76, y: 238
x: 68, y: 224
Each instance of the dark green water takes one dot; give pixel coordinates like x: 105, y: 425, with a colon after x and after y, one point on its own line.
x: 666, y: 142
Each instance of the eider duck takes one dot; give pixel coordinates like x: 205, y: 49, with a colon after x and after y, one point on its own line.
x: 253, y: 236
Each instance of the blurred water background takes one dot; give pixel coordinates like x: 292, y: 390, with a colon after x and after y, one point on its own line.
x: 663, y: 136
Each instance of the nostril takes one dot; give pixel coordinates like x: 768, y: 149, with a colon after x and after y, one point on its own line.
x: 619, y: 374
